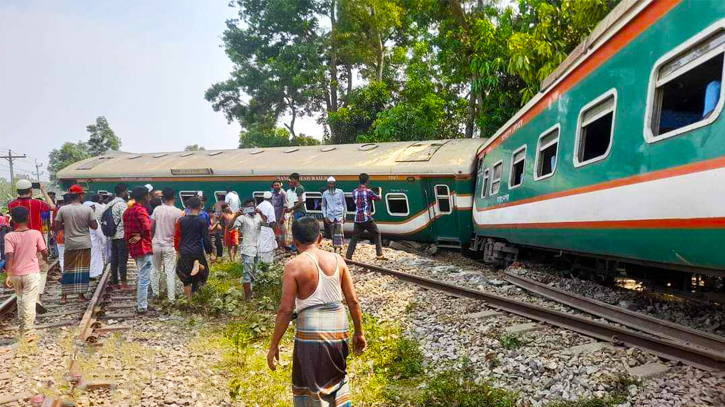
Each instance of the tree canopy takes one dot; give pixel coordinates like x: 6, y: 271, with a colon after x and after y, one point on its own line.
x: 101, y: 140
x: 101, y: 137
x: 385, y: 70
x: 194, y: 147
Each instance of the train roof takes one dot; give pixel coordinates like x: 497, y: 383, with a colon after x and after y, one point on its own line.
x: 454, y: 156
x: 615, y: 21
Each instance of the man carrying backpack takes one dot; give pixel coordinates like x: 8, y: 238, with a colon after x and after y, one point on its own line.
x: 112, y: 227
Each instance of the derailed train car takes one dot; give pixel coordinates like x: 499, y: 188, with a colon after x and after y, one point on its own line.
x: 426, y: 187
x: 622, y: 154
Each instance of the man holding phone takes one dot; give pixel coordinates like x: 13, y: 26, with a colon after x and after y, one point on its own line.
x: 35, y: 207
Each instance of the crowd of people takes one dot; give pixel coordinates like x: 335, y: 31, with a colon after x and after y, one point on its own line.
x: 147, y: 226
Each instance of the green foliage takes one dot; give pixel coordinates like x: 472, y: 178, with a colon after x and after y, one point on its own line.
x: 66, y: 155
x: 194, y: 147
x: 510, y: 341
x: 259, y: 135
x: 459, y: 388
x: 357, y: 117
x: 102, y: 138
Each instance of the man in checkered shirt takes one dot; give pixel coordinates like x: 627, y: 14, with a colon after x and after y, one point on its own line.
x: 364, y: 197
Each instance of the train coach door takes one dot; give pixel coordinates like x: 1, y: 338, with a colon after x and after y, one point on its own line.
x: 440, y: 204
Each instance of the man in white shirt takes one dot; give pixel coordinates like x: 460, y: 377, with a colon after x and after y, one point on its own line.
x: 250, y: 222
x: 267, y: 241
x: 164, y: 257
x: 232, y: 199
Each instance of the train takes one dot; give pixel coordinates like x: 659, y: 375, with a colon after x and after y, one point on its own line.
x: 619, y: 158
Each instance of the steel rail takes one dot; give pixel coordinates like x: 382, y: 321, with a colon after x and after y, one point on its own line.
x: 697, y: 357
x: 640, y: 322
x: 86, y: 325
x: 9, y: 303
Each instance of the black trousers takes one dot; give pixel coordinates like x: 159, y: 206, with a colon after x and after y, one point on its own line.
x: 119, y: 260
x: 360, y: 228
x: 218, y: 241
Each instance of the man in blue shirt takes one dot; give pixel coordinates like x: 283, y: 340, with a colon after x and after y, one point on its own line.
x: 334, y: 210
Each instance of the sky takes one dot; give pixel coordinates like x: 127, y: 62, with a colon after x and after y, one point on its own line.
x: 143, y: 64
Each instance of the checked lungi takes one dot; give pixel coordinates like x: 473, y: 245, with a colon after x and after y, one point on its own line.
x: 338, y: 234
x: 319, y: 366
x: 76, y: 271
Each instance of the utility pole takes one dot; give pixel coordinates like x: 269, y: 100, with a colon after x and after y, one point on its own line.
x: 10, y: 157
x: 37, y: 169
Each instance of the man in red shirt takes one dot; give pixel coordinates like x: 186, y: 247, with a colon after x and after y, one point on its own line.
x: 36, y: 207
x: 137, y: 232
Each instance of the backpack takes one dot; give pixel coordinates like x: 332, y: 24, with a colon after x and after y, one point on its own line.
x: 108, y: 225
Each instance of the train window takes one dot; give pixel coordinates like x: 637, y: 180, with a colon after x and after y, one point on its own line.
x: 258, y: 197
x: 220, y: 195
x: 546, y: 153
x: 686, y: 89
x: 596, y: 129
x: 443, y: 199
x: 352, y: 207
x: 185, y: 195
x: 518, y: 165
x: 313, y: 202
x: 103, y: 194
x: 496, y: 179
x: 397, y: 204
x: 484, y: 183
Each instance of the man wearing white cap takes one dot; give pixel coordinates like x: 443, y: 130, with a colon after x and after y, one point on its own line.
x: 267, y: 241
x: 334, y: 211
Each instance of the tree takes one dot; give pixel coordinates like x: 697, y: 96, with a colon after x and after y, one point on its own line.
x: 102, y: 138
x: 259, y: 135
x: 355, y: 119
x: 194, y: 147
x: 66, y: 155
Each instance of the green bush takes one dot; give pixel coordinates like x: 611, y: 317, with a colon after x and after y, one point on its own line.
x: 458, y: 388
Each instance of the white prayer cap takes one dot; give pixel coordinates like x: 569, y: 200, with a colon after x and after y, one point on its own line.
x: 267, y: 195
x: 331, y: 179
x: 149, y: 187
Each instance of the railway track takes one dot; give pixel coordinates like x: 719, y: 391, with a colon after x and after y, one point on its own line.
x: 705, y: 355
x: 103, y: 314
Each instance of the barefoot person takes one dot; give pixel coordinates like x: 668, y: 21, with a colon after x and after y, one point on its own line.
x: 21, y: 249
x: 315, y: 282
x: 192, y: 240
x: 76, y: 221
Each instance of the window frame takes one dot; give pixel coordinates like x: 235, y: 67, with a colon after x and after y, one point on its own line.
x: 397, y: 195
x: 255, y: 195
x: 309, y: 195
x: 352, y: 212
x: 577, y: 141
x: 511, y: 167
x: 103, y: 193
x: 181, y: 197
x: 493, y: 174
x: 649, y: 136
x: 556, y: 127
x: 485, y: 183
x: 216, y: 196
x: 447, y: 196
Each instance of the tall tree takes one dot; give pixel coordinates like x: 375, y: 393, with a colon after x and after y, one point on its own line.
x: 102, y: 138
x: 66, y: 155
x: 194, y: 147
x: 263, y: 136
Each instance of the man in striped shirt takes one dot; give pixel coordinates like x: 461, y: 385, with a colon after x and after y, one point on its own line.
x: 364, y: 197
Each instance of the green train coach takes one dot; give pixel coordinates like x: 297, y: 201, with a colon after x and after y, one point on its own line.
x: 622, y: 154
x: 426, y: 187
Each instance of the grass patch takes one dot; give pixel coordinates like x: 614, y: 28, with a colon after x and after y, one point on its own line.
x: 509, y: 341
x: 459, y: 388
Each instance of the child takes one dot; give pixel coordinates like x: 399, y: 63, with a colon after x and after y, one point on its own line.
x: 21, y: 249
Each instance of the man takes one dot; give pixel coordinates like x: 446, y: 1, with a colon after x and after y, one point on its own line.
x: 76, y: 221
x: 279, y: 202
x: 250, y: 222
x: 192, y: 240
x: 334, y: 210
x: 35, y: 208
x: 215, y: 234
x: 231, y: 234
x: 297, y: 208
x: 165, y: 217
x: 21, y: 249
x: 315, y: 283
x: 363, y: 197
x: 137, y: 232
x: 97, y: 238
x: 232, y: 199
x: 267, y: 242
x: 119, y: 250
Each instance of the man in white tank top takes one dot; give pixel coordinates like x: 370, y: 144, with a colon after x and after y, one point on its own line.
x: 315, y: 283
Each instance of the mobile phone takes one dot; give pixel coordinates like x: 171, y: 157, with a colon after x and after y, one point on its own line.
x: 36, y: 185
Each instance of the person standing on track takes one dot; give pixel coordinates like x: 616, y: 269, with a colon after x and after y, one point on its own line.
x: 97, y: 238
x: 191, y: 239
x: 165, y: 217
x: 334, y: 211
x: 76, y: 221
x: 315, y: 283
x: 250, y: 221
x: 119, y: 250
x: 23, y: 269
x: 137, y: 232
x: 364, y: 197
x: 279, y: 202
x: 35, y: 208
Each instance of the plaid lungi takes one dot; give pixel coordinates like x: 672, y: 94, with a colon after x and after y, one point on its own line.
x: 76, y: 271
x: 319, y: 366
x: 338, y: 234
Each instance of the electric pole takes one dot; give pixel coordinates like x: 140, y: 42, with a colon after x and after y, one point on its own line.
x: 37, y: 169
x: 10, y: 157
